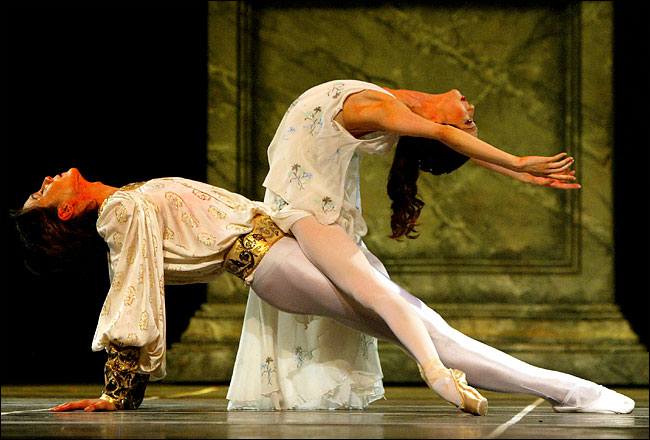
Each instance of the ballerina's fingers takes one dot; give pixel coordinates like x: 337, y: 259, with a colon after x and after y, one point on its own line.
x: 563, y: 177
x: 561, y: 166
x: 561, y: 185
x: 559, y: 170
x: 550, y: 167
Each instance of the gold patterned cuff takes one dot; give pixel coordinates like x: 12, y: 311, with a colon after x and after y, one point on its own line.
x: 124, y: 387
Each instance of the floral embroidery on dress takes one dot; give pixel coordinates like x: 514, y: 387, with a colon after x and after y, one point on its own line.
x: 287, y: 134
x: 304, y: 319
x: 336, y: 90
x: 300, y: 175
x: 365, y: 343
x: 268, y: 369
x: 336, y: 156
x: 278, y: 202
x: 327, y: 205
x: 302, y: 355
x: 316, y: 118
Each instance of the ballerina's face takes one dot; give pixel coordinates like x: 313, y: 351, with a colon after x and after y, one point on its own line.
x: 457, y: 111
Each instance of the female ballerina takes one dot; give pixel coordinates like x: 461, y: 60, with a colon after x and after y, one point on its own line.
x: 176, y: 230
x: 313, y: 189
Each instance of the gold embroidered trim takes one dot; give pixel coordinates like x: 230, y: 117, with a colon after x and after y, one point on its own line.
x: 132, y: 186
x: 247, y: 252
x: 101, y: 208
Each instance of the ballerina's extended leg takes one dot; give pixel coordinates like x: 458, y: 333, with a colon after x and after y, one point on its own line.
x: 288, y: 281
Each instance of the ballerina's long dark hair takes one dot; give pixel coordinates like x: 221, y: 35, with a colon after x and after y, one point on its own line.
x: 412, y: 155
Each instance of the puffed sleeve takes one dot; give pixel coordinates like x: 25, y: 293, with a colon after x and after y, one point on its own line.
x: 133, y: 313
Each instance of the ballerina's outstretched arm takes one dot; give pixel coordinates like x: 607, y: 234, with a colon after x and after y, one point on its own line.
x: 370, y: 111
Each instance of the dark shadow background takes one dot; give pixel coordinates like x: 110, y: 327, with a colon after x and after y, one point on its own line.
x: 120, y: 93
x: 632, y: 163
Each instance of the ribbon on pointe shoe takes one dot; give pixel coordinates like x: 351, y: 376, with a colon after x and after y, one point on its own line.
x: 472, y: 401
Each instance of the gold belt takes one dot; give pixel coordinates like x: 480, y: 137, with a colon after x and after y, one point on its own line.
x: 245, y: 255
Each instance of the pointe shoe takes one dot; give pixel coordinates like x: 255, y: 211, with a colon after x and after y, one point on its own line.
x: 609, y: 402
x: 472, y: 401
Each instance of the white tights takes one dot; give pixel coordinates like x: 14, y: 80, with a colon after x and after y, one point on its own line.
x: 289, y: 281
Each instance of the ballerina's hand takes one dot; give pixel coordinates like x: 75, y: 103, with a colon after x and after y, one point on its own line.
x: 554, y: 167
x: 553, y: 183
x: 86, y: 405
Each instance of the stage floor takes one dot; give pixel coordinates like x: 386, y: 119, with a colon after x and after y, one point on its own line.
x: 199, y: 411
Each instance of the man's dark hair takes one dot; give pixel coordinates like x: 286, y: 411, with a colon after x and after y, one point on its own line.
x: 54, y: 245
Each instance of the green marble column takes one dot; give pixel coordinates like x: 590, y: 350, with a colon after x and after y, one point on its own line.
x: 526, y: 269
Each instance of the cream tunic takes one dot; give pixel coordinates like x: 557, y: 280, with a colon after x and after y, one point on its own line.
x: 164, y: 231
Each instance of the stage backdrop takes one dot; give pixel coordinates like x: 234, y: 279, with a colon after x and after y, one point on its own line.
x: 526, y: 269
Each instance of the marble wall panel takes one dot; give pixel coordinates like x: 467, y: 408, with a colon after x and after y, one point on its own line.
x: 526, y: 269
x: 480, y: 231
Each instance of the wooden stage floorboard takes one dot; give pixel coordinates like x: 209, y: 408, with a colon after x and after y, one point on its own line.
x: 199, y: 411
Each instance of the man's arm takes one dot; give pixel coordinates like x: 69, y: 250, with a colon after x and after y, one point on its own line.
x: 124, y: 386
